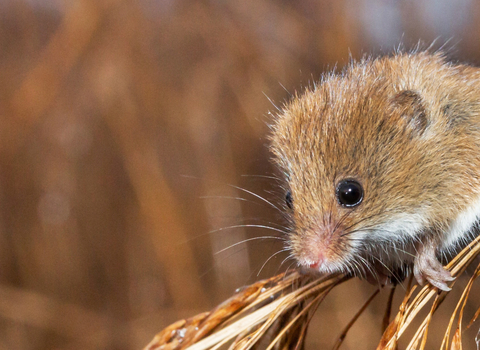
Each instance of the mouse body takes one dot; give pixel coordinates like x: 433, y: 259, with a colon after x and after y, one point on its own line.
x: 382, y: 166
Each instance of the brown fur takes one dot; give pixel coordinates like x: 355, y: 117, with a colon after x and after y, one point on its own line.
x: 406, y: 127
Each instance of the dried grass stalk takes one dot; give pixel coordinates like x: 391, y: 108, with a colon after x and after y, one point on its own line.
x: 277, y: 311
x: 410, y: 308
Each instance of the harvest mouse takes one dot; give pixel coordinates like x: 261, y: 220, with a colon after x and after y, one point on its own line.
x: 382, y: 165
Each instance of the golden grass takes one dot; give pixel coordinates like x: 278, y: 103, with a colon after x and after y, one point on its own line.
x: 275, y: 313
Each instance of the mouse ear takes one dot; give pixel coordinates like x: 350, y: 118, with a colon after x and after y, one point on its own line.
x: 410, y: 105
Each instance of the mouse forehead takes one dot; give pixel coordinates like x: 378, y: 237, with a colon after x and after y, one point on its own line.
x: 347, y: 120
x: 330, y: 131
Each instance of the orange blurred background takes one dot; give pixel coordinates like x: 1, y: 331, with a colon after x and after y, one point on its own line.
x: 126, y: 131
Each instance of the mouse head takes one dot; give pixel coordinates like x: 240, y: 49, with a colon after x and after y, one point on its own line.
x: 364, y: 167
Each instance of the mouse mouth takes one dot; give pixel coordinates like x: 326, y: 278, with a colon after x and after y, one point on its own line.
x: 326, y: 267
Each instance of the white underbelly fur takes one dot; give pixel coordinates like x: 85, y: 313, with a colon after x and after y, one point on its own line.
x: 463, y: 228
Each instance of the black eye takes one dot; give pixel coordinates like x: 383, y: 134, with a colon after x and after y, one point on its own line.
x: 349, y: 193
x: 289, y: 199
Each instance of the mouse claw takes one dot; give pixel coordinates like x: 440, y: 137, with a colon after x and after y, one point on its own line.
x: 428, y: 268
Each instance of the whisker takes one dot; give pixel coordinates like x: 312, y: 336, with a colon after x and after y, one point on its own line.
x: 242, y: 226
x: 259, y: 197
x: 271, y: 256
x: 286, y: 90
x: 214, y: 266
x: 248, y: 240
x: 342, y: 219
x: 279, y: 227
x: 272, y: 102
x: 229, y: 197
x: 263, y: 177
x: 288, y: 268
x: 367, y: 218
x: 290, y: 256
x: 330, y: 212
x: 390, y: 271
x: 254, y: 220
x: 403, y: 251
x: 390, y: 243
x: 352, y: 267
x: 372, y: 227
x: 368, y: 267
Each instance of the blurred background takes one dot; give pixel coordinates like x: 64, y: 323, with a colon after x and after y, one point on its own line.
x: 133, y: 147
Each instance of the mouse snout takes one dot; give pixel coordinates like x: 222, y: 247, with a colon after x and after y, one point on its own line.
x: 313, y: 252
x: 317, y: 262
x: 319, y: 249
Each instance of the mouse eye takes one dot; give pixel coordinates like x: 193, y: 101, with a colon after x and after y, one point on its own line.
x: 349, y: 193
x: 289, y: 199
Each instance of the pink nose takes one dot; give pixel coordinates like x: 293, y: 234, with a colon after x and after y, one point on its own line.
x: 318, y: 262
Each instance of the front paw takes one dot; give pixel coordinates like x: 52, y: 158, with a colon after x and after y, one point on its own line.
x: 427, y: 268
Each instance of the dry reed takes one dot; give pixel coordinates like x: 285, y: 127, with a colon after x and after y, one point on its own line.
x: 275, y: 313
